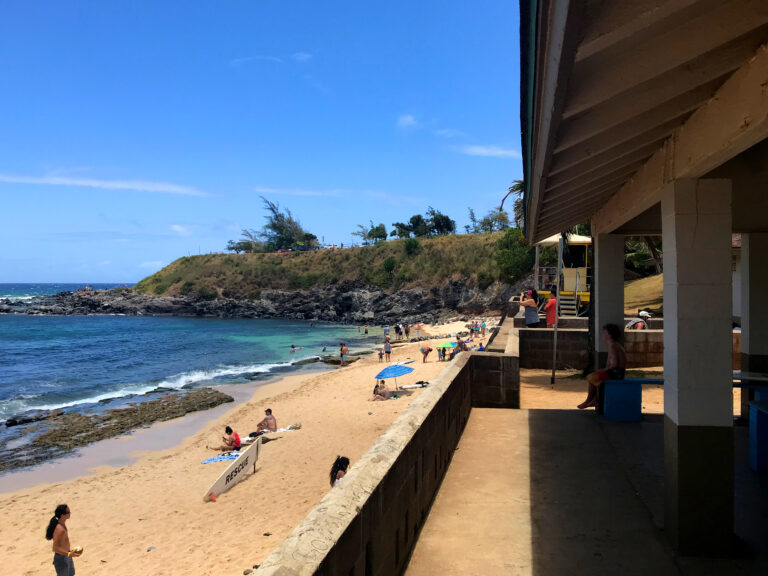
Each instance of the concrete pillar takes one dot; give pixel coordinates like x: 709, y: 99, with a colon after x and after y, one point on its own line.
x: 608, y: 292
x: 698, y: 397
x: 754, y: 309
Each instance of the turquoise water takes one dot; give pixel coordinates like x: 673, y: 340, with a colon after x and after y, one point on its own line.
x: 51, y: 362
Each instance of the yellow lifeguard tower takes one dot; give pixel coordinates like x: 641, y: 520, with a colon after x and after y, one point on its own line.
x: 575, y: 282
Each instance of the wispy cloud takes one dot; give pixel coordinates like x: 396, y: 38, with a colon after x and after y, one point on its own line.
x: 406, y: 121
x: 449, y: 133
x: 377, y: 195
x: 181, y: 230
x: 246, y: 59
x: 300, y: 192
x: 134, y: 185
x: 104, y: 263
x: 301, y: 57
x: 490, y: 151
x: 152, y: 264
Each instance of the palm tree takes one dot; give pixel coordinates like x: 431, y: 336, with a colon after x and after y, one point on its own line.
x: 518, y: 190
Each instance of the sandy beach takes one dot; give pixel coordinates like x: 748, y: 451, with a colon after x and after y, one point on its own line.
x: 149, y: 517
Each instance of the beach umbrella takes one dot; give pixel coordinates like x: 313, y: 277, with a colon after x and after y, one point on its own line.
x: 393, y: 372
x: 447, y: 345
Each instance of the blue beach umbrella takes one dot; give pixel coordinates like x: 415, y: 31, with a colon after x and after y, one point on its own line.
x: 394, y: 371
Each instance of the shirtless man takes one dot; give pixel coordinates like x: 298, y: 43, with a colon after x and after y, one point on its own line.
x: 268, y: 424
x: 62, y: 551
x: 615, y: 366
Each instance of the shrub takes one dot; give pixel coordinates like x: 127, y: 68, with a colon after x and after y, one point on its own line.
x: 186, y: 288
x: 206, y: 293
x: 389, y: 265
x: 411, y: 246
x: 484, y: 280
x: 514, y: 257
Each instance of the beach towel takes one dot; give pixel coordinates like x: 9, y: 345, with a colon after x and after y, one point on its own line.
x: 222, y: 457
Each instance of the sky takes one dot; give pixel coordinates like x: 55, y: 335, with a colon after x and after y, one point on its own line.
x: 136, y: 132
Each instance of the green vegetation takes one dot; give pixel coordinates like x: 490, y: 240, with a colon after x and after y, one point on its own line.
x: 644, y: 293
x: 404, y: 263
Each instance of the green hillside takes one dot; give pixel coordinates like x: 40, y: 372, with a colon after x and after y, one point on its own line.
x: 389, y: 265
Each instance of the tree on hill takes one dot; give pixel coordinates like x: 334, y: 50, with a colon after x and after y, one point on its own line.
x: 283, y: 231
x: 371, y: 234
x: 248, y: 243
x: 518, y: 191
x: 435, y: 224
x: 494, y: 221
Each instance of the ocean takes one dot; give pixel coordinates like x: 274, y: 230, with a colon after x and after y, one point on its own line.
x: 79, y: 362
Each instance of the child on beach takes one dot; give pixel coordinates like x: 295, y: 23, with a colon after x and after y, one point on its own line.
x: 62, y: 552
x: 231, y: 441
x: 339, y: 469
x: 381, y: 355
x: 615, y: 366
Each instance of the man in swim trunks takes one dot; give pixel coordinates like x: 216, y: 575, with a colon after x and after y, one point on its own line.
x: 615, y: 366
x: 269, y: 423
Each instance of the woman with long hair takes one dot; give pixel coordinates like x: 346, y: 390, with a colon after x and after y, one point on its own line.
x: 339, y: 469
x: 62, y: 551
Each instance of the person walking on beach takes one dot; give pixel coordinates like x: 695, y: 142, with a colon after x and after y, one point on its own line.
x: 407, y: 329
x: 231, y: 441
x: 343, y: 352
x: 482, y: 328
x: 62, y: 551
x: 339, y: 469
x: 615, y: 366
x: 269, y: 423
x: 387, y: 349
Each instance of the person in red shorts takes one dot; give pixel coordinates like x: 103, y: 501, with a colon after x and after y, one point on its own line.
x: 615, y: 366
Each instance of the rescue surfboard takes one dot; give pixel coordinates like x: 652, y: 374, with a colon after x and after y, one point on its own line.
x: 236, y: 471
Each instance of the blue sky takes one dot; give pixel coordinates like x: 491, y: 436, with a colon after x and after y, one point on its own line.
x: 133, y: 133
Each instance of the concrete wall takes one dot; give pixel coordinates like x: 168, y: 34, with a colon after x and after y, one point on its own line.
x: 644, y: 348
x: 368, y: 525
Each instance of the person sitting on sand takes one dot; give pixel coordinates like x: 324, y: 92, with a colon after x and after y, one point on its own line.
x: 231, y: 441
x: 268, y: 424
x: 339, y: 469
x: 381, y: 392
x: 425, y: 352
x: 615, y: 366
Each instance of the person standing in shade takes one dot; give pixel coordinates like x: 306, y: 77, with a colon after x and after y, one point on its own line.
x: 551, y: 308
x: 530, y: 303
x: 62, y: 551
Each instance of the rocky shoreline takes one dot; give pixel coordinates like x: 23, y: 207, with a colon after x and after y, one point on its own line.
x: 56, y: 433
x: 345, y: 302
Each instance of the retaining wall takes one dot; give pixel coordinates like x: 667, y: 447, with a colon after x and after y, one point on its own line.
x: 368, y: 524
x: 644, y: 348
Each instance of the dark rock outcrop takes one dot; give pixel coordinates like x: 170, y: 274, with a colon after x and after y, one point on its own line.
x: 343, y: 302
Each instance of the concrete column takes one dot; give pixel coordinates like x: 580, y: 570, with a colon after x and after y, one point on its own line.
x: 698, y: 397
x: 608, y: 292
x: 754, y: 309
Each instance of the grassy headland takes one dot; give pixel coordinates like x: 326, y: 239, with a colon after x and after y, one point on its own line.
x: 423, y: 263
